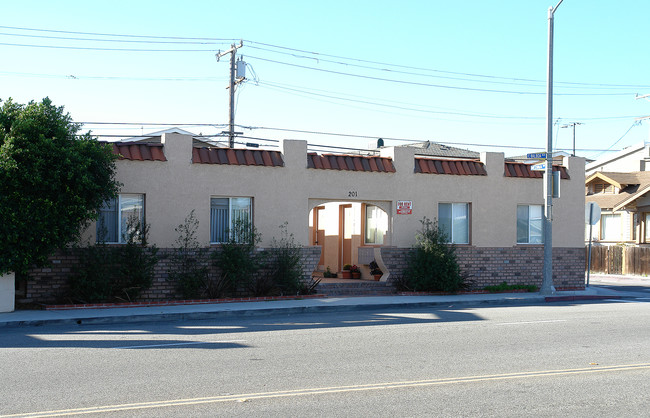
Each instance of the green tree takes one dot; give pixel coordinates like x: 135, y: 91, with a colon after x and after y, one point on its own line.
x: 51, y: 182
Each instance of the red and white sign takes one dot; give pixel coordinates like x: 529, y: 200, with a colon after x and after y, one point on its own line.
x: 404, y: 207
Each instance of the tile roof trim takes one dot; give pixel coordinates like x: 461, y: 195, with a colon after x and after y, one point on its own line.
x: 138, y: 151
x: 522, y: 170
x: 358, y: 163
x: 454, y: 167
x: 243, y: 157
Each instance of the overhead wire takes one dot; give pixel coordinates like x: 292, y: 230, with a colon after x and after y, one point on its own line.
x: 314, y: 55
x: 420, y: 84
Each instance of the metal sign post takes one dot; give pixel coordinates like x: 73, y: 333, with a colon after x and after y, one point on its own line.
x: 592, y: 213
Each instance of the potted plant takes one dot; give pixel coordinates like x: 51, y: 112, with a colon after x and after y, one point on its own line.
x: 328, y: 273
x: 346, y: 273
x: 375, y: 271
x: 356, y: 273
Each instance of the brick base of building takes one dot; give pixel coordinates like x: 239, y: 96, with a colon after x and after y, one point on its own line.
x: 484, y: 266
x: 487, y: 266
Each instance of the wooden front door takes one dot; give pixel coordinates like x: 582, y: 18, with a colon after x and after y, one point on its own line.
x: 319, y: 236
x: 346, y: 218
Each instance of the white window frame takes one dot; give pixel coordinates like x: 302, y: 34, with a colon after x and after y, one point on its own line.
x: 603, y: 225
x: 528, y: 225
x: 230, y: 217
x: 366, y: 224
x: 119, y: 202
x: 452, y: 236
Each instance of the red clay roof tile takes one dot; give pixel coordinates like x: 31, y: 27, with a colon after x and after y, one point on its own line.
x: 373, y: 164
x: 340, y: 161
x: 326, y: 163
x: 266, y: 157
x: 248, y: 155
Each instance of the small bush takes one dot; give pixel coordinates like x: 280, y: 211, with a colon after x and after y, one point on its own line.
x: 187, y: 267
x: 432, y: 265
x: 96, y: 275
x: 286, y: 262
x: 137, y: 261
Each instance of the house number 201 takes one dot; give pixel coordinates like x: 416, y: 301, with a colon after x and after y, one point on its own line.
x: 352, y: 194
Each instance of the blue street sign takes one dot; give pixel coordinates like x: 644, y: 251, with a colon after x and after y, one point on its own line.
x: 536, y: 155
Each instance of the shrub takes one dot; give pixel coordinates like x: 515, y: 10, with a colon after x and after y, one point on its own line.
x: 187, y: 267
x: 108, y: 273
x: 137, y: 261
x: 432, y: 264
x: 237, y: 260
x: 286, y: 265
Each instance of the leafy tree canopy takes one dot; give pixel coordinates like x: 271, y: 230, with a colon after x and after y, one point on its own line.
x: 52, y: 181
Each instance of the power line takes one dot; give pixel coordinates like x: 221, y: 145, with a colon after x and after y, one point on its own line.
x: 516, y: 82
x: 114, y: 40
x: 315, y: 55
x: 108, y: 49
x: 116, y: 34
x: 399, y: 107
x: 414, y: 83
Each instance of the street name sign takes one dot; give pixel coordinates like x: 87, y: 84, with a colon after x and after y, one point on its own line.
x: 536, y: 155
x: 539, y: 167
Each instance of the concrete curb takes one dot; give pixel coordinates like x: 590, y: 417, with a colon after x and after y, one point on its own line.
x: 244, y: 313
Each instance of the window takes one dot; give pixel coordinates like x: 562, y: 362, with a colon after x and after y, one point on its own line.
x: 453, y: 221
x: 529, y: 224
x: 225, y: 212
x: 376, y: 225
x: 647, y: 227
x: 117, y: 215
x: 610, y: 227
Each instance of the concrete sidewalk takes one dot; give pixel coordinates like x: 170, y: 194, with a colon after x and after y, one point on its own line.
x: 287, y: 307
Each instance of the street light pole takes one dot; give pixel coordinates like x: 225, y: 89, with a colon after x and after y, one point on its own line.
x: 547, y: 277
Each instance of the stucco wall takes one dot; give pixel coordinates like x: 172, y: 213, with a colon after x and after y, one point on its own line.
x: 175, y: 187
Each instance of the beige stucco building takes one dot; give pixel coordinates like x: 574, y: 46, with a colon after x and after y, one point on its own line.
x: 333, y: 201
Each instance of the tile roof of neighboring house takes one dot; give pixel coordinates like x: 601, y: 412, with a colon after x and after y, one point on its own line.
x: 350, y: 162
x: 435, y: 149
x: 139, y: 151
x: 632, y: 186
x: 522, y: 170
x: 204, y: 155
x: 444, y: 166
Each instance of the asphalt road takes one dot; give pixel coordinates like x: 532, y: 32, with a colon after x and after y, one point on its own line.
x: 578, y: 359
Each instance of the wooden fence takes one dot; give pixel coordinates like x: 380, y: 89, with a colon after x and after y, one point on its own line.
x: 620, y: 260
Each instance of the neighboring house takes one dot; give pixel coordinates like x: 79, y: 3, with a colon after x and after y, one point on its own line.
x: 624, y: 199
x: 434, y: 149
x: 350, y: 208
x: 631, y: 159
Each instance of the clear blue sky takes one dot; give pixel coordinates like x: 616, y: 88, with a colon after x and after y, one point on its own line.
x: 443, y: 57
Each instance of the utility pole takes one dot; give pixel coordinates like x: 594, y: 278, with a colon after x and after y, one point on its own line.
x: 572, y: 124
x: 234, y: 80
x: 547, y: 277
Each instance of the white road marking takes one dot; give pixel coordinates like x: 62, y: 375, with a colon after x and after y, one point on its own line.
x: 176, y: 344
x: 532, y: 322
